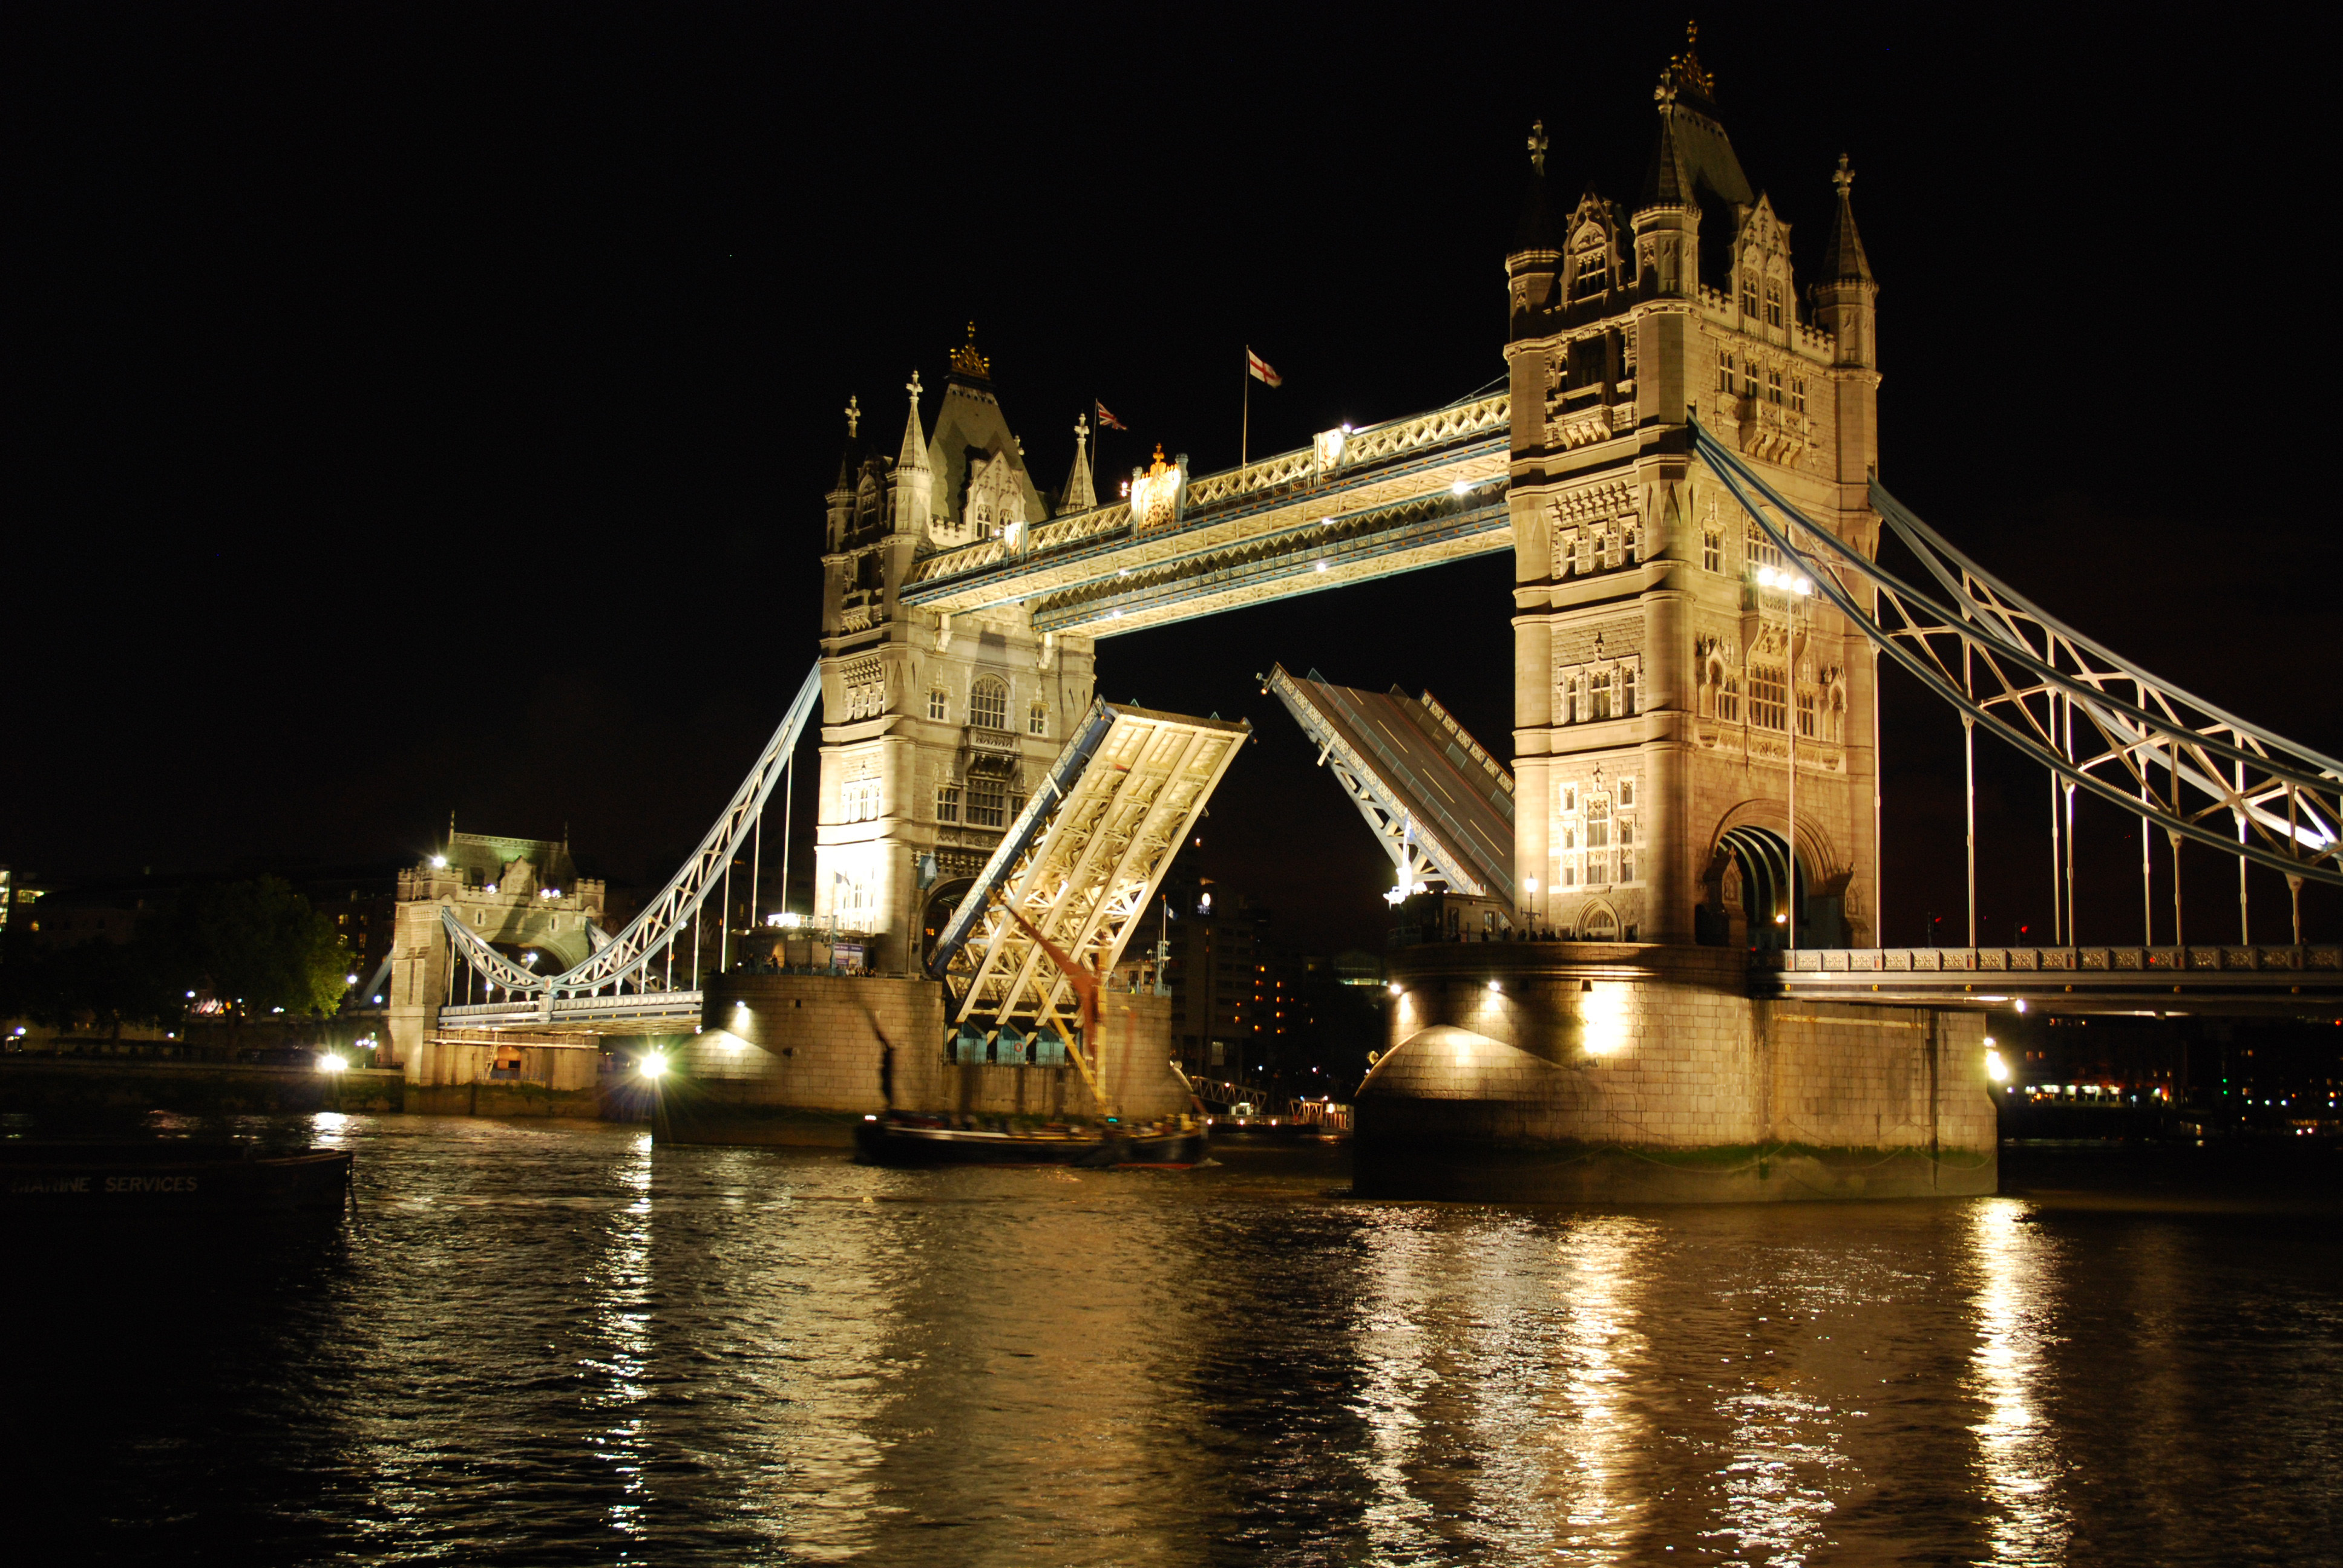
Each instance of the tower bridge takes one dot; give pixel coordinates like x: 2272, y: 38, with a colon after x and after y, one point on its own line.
x: 1685, y: 466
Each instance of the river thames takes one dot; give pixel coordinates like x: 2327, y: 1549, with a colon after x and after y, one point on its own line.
x: 553, y: 1342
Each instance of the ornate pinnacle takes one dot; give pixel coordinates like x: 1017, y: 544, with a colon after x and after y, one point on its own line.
x: 853, y: 418
x: 912, y: 387
x: 1081, y: 428
x: 1537, y: 145
x: 1844, y: 178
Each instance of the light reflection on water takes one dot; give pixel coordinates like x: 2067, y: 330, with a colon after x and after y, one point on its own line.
x: 554, y: 1343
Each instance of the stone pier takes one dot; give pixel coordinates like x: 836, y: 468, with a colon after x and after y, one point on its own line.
x: 1619, y: 1072
x: 797, y: 1058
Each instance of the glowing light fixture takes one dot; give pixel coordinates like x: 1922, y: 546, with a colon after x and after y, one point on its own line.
x: 327, y: 1062
x: 1460, y: 487
x: 652, y: 1066
x: 439, y: 862
x: 1995, y: 1068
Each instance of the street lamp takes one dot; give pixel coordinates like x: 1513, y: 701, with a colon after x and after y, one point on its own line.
x: 1794, y: 590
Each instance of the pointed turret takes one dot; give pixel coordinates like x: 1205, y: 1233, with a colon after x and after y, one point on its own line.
x: 841, y: 493
x: 912, y: 499
x: 1535, y: 258
x: 1843, y: 261
x: 1079, y: 494
x: 1665, y: 184
x: 1845, y: 295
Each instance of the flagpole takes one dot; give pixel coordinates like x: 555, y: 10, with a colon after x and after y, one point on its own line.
x: 1244, y: 434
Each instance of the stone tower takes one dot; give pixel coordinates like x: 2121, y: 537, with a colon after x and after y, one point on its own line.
x: 1660, y: 687
x: 933, y: 726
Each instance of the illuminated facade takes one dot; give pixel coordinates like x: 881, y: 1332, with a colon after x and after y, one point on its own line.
x: 934, y: 724
x: 1661, y: 682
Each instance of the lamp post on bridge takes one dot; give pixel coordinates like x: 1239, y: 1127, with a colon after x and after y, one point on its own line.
x: 1794, y: 589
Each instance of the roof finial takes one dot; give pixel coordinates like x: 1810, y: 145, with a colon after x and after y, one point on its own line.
x: 1081, y: 428
x: 1537, y: 145
x: 1844, y: 178
x: 912, y: 387
x: 967, y: 361
x: 853, y: 418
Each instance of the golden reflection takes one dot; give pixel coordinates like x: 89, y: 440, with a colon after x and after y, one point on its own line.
x: 2015, y: 1446
x: 1597, y: 1352
x: 1496, y: 1363
x: 622, y: 1289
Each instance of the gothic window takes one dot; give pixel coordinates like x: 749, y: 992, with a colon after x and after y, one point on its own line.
x: 1724, y: 371
x: 1627, y: 355
x: 1749, y: 291
x: 1569, y: 714
x: 1633, y: 552
x: 1798, y: 393
x: 1728, y: 698
x: 1586, y: 362
x: 1749, y: 376
x: 1759, y: 549
x: 1768, y: 697
x: 1601, y: 692
x: 1806, y: 714
x: 1626, y: 801
x: 937, y: 705
x: 1037, y: 720
x: 1598, y: 837
x: 859, y: 800
x: 1569, y: 837
x: 1570, y: 796
x: 1774, y: 384
x: 947, y: 802
x: 1712, y: 548
x: 1594, y: 274
x: 1626, y: 692
x: 1773, y: 302
x: 987, y: 807
x: 988, y: 704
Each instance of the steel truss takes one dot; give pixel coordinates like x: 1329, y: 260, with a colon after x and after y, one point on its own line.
x: 2167, y: 757
x: 1081, y: 863
x: 628, y: 959
x: 1422, y: 852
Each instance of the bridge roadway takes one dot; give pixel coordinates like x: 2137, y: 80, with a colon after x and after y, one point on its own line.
x: 644, y: 1012
x: 1353, y: 505
x: 2193, y: 978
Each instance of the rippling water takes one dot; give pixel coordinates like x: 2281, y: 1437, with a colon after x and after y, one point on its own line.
x: 554, y: 1344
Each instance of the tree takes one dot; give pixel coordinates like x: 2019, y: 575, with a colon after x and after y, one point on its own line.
x: 258, y: 946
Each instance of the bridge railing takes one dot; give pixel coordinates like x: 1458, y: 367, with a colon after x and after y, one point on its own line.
x: 1282, y: 471
x: 2199, y: 958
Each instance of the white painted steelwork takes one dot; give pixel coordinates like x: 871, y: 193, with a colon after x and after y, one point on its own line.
x: 1082, y: 861
x: 629, y: 959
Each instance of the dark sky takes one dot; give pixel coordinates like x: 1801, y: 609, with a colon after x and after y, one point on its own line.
x: 421, y: 408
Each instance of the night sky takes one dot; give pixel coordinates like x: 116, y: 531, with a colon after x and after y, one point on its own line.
x: 422, y: 408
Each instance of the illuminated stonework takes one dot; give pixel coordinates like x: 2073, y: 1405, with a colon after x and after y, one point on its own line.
x: 1660, y: 687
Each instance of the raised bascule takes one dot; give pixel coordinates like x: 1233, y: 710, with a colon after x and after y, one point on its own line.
x: 1644, y: 960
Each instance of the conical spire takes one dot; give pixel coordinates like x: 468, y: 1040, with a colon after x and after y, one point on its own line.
x: 1079, y: 496
x: 853, y: 443
x: 1665, y: 184
x: 1843, y: 261
x: 1537, y: 231
x: 914, y: 454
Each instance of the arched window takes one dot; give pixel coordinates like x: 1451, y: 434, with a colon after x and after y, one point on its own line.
x: 1749, y: 290
x: 1037, y: 720
x: 988, y: 704
x: 1599, y: 926
x: 1712, y: 548
x: 1626, y: 692
x: 1773, y: 302
x: 1600, y: 682
x: 938, y: 705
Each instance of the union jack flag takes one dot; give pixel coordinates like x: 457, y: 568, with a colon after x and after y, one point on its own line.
x: 1106, y: 420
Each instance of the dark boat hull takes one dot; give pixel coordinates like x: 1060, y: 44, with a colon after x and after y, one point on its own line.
x: 893, y: 1143
x: 59, y: 1181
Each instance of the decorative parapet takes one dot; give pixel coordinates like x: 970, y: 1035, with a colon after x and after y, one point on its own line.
x: 1335, y: 452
